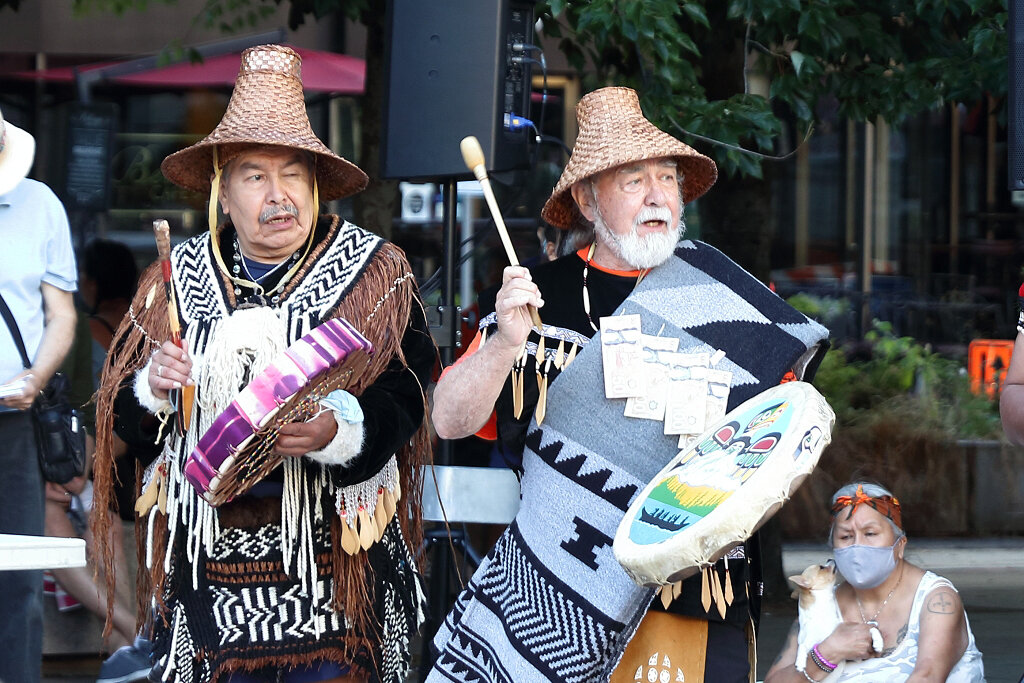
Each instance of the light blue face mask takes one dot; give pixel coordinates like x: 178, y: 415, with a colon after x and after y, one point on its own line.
x: 865, y: 566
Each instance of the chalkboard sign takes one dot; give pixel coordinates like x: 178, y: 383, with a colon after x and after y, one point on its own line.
x: 90, y: 137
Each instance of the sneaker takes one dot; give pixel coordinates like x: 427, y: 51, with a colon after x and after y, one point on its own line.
x: 65, y: 601
x: 128, y: 664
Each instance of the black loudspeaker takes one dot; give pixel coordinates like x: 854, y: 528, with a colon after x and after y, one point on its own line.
x: 1015, y: 123
x: 452, y: 71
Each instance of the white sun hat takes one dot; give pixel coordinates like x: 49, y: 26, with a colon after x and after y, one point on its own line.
x: 17, y: 149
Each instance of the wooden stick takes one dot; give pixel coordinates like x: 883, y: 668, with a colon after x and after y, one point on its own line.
x: 162, y: 231
x: 473, y: 155
x: 163, y: 251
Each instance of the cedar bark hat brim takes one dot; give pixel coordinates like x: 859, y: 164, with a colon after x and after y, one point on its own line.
x: 613, y: 132
x: 267, y: 107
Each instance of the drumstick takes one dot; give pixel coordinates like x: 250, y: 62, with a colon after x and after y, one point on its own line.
x: 473, y: 155
x: 162, y: 232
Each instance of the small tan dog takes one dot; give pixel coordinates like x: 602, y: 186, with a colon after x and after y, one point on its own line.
x: 819, y: 611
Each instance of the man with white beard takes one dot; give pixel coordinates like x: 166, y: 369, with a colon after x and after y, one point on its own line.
x: 550, y: 603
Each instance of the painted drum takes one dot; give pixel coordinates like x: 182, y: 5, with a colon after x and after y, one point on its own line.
x: 713, y: 495
x: 237, y: 450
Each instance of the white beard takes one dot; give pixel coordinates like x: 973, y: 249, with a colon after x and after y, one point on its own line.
x: 642, y: 252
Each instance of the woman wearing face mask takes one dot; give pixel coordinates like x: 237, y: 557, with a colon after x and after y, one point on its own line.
x: 925, y: 632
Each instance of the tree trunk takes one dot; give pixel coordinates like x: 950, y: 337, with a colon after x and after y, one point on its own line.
x: 736, y: 214
x: 736, y: 217
x: 374, y: 206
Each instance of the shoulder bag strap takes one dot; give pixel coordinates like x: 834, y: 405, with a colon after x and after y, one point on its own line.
x: 12, y: 325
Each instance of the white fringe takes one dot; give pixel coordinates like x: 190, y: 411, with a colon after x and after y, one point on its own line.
x: 248, y: 339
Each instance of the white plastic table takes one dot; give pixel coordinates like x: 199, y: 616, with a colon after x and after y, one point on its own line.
x: 40, y: 552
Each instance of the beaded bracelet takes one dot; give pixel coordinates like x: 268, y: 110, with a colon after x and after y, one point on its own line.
x: 822, y: 663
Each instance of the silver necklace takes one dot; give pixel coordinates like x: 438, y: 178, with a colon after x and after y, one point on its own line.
x: 874, y: 618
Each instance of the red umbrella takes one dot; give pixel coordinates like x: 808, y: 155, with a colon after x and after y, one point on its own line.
x: 321, y: 72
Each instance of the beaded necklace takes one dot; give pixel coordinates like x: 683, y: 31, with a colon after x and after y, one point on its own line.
x: 254, y: 282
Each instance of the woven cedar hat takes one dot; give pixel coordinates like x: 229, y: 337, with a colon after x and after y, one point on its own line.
x: 266, y: 108
x: 613, y: 132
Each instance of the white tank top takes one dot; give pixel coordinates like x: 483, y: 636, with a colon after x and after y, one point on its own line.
x: 900, y: 663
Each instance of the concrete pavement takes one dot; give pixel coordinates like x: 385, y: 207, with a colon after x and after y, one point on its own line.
x: 989, y: 573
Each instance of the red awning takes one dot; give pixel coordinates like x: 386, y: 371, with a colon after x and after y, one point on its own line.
x: 321, y: 72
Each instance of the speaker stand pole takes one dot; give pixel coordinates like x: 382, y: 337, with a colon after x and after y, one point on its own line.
x: 439, y: 598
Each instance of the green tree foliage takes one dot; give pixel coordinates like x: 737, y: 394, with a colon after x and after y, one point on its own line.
x: 693, y: 63
x: 897, y: 380
x: 876, y: 58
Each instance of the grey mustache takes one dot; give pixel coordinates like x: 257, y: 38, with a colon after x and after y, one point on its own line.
x: 267, y: 214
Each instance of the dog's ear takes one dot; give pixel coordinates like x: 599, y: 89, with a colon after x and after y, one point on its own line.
x: 800, y: 581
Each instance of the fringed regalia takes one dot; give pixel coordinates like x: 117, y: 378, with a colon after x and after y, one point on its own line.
x: 550, y: 602
x: 263, y: 582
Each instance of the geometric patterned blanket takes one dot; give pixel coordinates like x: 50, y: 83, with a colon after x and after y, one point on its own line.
x: 550, y: 602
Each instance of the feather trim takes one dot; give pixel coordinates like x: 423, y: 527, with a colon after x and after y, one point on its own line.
x: 344, y: 447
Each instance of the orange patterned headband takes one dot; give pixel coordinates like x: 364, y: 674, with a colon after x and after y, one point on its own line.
x: 887, y: 505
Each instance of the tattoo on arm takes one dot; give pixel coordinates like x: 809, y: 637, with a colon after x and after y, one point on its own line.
x: 899, y: 639
x: 941, y: 603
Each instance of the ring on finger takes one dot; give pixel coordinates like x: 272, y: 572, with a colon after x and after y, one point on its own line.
x: 159, y: 371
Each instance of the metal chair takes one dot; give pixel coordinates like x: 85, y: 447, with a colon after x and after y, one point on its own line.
x: 467, y: 495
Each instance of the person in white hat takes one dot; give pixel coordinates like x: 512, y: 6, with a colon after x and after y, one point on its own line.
x: 269, y: 586
x: 550, y: 602
x: 37, y: 279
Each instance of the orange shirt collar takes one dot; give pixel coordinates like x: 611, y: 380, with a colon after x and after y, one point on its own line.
x: 582, y: 253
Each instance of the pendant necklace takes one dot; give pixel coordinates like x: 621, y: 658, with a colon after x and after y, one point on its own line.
x: 586, y: 292
x: 874, y: 618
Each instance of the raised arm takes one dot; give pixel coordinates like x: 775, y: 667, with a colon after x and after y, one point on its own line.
x: 465, y: 395
x: 943, y: 638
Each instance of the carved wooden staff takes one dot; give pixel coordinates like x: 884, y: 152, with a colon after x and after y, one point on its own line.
x: 181, y: 399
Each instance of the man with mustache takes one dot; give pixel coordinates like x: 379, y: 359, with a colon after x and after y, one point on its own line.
x: 267, y: 587
x: 550, y: 602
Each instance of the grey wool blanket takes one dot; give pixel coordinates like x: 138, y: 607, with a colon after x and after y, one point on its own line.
x: 550, y: 602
